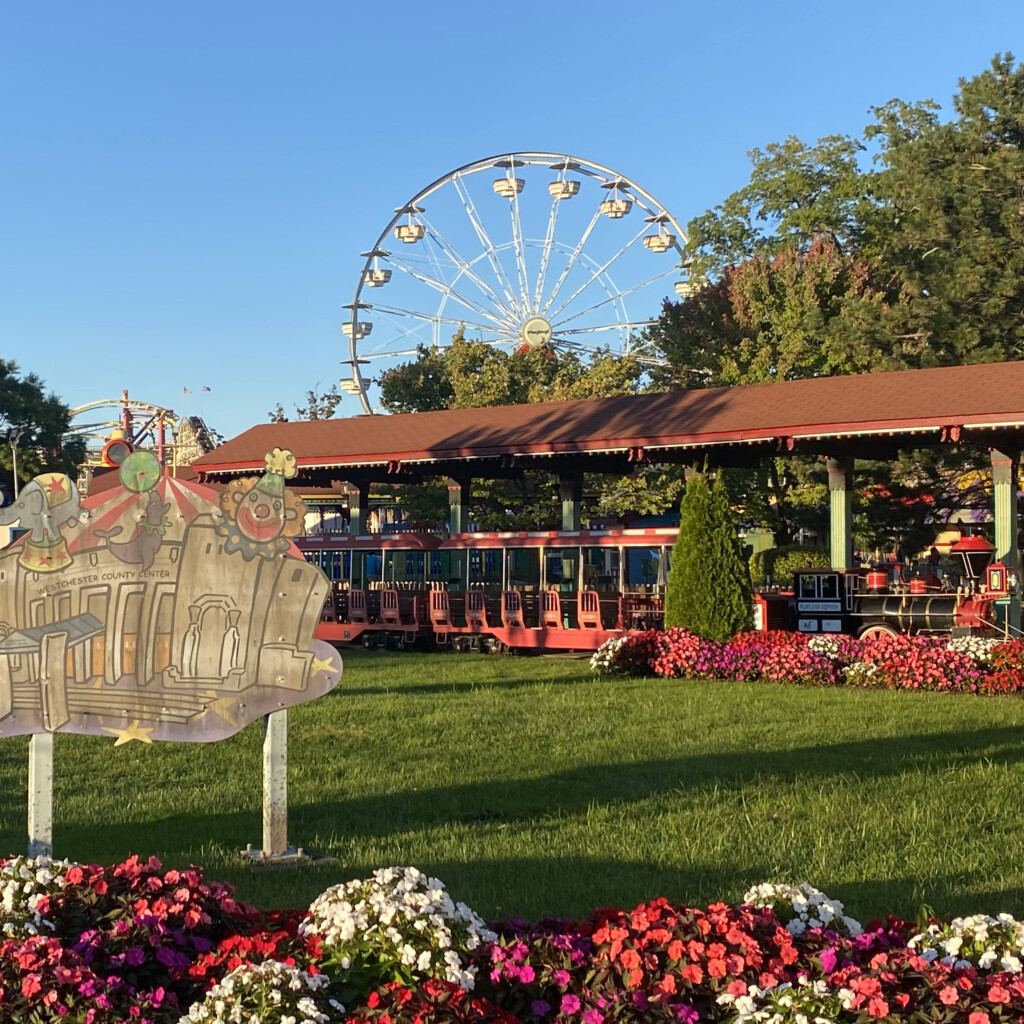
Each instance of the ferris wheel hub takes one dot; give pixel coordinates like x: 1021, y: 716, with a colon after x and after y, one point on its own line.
x: 536, y: 332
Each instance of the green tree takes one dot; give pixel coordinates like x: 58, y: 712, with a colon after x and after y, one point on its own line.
x: 320, y: 405
x: 822, y: 265
x: 42, y: 419
x: 951, y: 219
x: 708, y: 589
x: 471, y: 374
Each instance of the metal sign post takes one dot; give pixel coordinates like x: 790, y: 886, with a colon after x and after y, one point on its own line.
x: 40, y: 795
x: 275, y: 783
x: 276, y: 850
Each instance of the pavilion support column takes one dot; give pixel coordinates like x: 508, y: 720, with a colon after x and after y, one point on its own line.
x: 358, y: 505
x: 840, y: 494
x: 458, y: 502
x: 570, y: 491
x: 1005, y: 470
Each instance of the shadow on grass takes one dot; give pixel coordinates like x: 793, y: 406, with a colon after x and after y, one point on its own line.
x: 569, y: 793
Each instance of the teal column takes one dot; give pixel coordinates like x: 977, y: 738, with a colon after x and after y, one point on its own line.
x: 840, y: 495
x: 1005, y: 470
x: 358, y: 503
x: 570, y: 491
x: 458, y: 500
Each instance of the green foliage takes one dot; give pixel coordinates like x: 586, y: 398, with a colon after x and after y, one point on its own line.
x: 320, y: 405
x: 43, y: 419
x: 822, y: 264
x: 471, y: 374
x: 708, y: 589
x: 779, y: 564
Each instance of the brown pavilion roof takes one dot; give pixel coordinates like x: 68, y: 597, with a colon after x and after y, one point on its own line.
x: 868, y: 415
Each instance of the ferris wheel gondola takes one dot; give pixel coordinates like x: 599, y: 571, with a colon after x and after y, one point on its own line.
x: 521, y: 251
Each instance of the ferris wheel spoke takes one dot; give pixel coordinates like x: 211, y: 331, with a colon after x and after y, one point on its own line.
x: 571, y: 262
x: 448, y: 290
x: 612, y: 298
x: 598, y: 272
x: 465, y: 267
x: 390, y: 354
x: 434, y: 318
x: 520, y: 253
x: 545, y: 256
x: 621, y: 326
x: 489, y: 247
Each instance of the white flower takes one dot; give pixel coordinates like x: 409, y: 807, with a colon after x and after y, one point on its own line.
x: 399, y: 915
x: 802, y: 906
x: 266, y: 993
x: 988, y: 943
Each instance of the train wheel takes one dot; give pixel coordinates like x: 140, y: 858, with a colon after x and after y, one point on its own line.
x: 877, y: 631
x: 370, y: 641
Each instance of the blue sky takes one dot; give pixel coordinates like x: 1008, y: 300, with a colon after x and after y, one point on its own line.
x: 186, y: 187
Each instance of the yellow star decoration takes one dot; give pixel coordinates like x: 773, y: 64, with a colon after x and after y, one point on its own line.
x: 322, y: 665
x: 223, y: 708
x: 133, y: 732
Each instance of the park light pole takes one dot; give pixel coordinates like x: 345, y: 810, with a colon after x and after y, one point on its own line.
x: 12, y: 435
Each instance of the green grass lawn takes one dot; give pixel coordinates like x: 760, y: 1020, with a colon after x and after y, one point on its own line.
x: 532, y: 787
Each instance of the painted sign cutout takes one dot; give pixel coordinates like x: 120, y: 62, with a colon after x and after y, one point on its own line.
x: 159, y: 610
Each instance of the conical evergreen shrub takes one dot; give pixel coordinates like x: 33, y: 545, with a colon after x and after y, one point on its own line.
x: 708, y: 589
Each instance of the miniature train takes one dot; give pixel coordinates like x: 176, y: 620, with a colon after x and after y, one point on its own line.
x: 571, y: 591
x: 537, y: 590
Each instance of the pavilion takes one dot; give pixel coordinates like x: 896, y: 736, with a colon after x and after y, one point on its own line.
x: 867, y: 416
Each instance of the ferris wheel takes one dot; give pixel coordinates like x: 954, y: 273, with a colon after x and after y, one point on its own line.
x: 520, y: 251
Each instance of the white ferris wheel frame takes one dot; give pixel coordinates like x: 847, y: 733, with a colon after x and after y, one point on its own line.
x: 504, y: 304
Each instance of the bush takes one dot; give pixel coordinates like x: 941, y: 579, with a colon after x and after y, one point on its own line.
x: 708, y: 590
x: 779, y: 564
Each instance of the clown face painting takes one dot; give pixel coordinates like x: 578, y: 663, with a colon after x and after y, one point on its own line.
x: 260, y: 513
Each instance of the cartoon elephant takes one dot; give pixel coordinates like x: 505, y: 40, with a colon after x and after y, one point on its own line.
x: 44, y: 505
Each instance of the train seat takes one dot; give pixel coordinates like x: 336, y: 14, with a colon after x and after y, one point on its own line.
x: 476, y: 610
x: 357, y: 606
x: 511, y: 609
x: 440, y: 619
x: 590, y: 610
x: 551, y: 610
x: 389, y: 613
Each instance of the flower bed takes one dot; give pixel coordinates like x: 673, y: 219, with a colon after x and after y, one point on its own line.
x: 961, y: 665
x: 95, y: 945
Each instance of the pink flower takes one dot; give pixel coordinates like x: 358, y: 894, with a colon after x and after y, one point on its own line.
x: 571, y: 1003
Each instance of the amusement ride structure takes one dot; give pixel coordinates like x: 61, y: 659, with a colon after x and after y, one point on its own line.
x: 521, y: 251
x: 113, y: 428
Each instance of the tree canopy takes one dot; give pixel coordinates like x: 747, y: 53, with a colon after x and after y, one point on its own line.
x: 899, y: 250
x: 471, y: 374
x: 42, y: 419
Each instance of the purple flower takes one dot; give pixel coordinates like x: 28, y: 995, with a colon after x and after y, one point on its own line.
x: 686, y: 1014
x: 570, y: 1003
x: 540, y: 1008
x: 166, y: 956
x: 135, y: 956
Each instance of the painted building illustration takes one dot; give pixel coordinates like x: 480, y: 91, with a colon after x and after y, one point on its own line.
x: 163, y: 610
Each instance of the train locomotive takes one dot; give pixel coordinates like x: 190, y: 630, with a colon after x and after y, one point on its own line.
x: 888, y: 601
